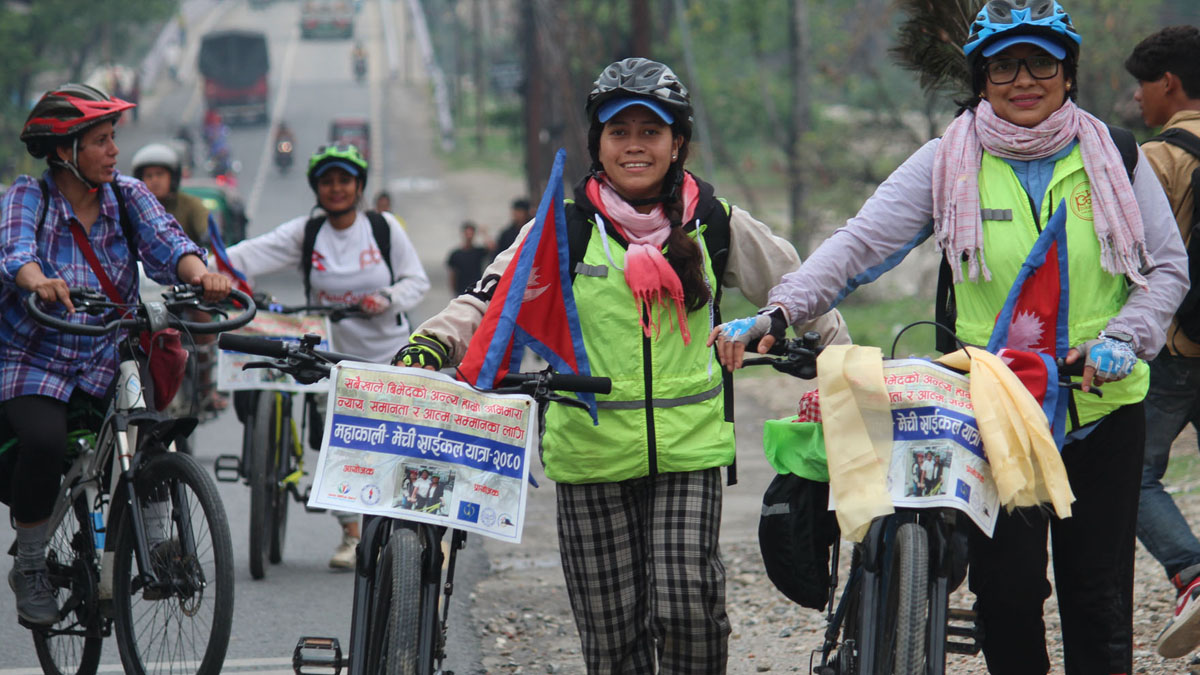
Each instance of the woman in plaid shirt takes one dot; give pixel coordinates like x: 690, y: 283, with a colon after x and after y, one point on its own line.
x: 43, y: 372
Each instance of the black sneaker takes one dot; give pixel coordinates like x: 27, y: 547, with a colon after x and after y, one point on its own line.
x: 35, y: 597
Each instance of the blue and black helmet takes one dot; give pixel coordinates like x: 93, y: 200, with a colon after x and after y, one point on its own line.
x: 1002, y: 22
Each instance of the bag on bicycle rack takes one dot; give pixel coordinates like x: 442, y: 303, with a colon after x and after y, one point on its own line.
x: 795, y: 532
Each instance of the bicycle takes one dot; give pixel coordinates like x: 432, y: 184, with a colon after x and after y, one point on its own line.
x: 169, y: 564
x: 272, y: 459
x: 399, y: 586
x: 894, y: 614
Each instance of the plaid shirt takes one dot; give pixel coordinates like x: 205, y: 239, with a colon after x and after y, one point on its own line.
x: 42, y: 361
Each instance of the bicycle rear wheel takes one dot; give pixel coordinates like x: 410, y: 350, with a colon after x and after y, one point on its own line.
x: 263, y: 451
x: 405, y: 551
x: 902, y: 638
x: 183, y: 624
x: 72, y: 645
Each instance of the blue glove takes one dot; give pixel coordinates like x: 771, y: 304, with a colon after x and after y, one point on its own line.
x: 768, y: 321
x: 422, y: 351
x: 1113, y: 359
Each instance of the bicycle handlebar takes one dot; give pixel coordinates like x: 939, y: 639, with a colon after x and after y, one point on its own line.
x: 586, y: 384
x: 177, y: 298
x: 335, y: 312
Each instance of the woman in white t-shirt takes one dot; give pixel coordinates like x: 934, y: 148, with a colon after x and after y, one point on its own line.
x: 347, y: 266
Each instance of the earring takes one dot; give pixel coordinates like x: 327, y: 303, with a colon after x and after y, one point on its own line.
x: 982, y: 97
x: 1068, y: 86
x: 674, y: 157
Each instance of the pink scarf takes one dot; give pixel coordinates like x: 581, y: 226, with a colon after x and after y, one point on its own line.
x: 957, y: 226
x: 647, y: 271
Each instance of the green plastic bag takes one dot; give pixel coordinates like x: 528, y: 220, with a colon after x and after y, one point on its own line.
x: 796, y: 448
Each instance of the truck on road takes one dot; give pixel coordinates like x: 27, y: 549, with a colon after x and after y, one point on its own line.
x: 235, y: 64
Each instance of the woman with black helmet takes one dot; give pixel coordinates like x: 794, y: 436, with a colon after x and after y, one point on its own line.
x: 1019, y: 161
x: 42, y: 372
x: 639, y: 494
x: 346, y: 266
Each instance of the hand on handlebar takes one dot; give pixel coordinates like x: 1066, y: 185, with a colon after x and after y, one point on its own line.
x: 216, y: 285
x: 1107, y: 360
x: 422, y: 351
x: 375, y: 303
x: 732, y: 337
x: 54, y: 290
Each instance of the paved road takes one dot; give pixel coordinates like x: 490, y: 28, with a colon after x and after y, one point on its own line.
x: 310, y: 83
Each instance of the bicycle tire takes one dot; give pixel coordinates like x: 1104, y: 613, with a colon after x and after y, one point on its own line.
x: 381, y: 608
x: 260, y: 475
x: 404, y: 628
x: 902, y: 638
x: 282, y: 467
x: 71, y: 560
x: 199, y: 603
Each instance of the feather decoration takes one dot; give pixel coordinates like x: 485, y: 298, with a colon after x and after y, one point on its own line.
x: 930, y: 42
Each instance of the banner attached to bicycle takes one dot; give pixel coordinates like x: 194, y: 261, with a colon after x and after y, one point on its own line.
x: 417, y: 445
x: 285, y: 327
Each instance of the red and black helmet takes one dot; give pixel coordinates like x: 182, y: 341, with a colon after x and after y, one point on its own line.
x: 66, y: 112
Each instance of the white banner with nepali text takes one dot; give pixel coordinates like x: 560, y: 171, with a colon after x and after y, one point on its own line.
x: 284, y: 327
x: 418, y: 445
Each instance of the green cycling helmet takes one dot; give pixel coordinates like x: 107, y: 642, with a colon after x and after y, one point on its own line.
x: 342, y: 156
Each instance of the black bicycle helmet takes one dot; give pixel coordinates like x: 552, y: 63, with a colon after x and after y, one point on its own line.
x: 640, y: 77
x: 66, y: 112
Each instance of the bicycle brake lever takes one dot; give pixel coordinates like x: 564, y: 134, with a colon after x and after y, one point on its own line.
x: 1094, y: 389
x: 566, y: 400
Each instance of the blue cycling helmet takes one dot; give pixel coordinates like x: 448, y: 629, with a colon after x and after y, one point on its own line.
x: 999, y: 20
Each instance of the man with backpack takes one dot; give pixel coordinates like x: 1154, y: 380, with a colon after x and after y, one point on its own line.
x: 1167, y: 68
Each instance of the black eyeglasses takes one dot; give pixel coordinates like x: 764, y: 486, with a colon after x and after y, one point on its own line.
x: 1005, y: 71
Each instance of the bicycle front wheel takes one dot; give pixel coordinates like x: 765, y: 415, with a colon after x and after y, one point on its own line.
x: 285, y: 462
x: 182, y: 624
x: 405, y: 551
x: 72, y: 645
x: 264, y: 449
x: 902, y: 639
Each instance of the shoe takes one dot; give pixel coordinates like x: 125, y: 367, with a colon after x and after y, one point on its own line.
x: 345, y: 555
x: 35, y: 597
x: 1182, y: 633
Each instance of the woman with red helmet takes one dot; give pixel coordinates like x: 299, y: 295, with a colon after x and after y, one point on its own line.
x: 42, y: 372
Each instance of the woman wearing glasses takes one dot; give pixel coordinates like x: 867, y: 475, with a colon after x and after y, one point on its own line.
x: 347, y: 266
x: 1018, y: 158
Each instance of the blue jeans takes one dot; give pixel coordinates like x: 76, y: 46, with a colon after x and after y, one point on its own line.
x: 1172, y: 402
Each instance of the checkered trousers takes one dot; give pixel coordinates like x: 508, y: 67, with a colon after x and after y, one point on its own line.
x: 644, y: 573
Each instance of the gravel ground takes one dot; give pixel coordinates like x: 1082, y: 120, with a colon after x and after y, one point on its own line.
x: 524, y: 619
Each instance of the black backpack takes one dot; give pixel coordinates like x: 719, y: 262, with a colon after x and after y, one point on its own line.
x: 945, y: 310
x: 379, y: 229
x: 1188, y: 314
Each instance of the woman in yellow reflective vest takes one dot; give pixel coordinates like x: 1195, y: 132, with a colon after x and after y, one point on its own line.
x: 1019, y: 154
x: 639, y: 494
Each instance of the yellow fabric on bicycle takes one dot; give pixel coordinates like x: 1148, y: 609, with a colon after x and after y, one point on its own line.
x: 1025, y: 462
x: 857, y: 421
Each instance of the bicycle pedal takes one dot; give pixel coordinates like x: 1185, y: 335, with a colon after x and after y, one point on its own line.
x: 228, y: 468
x: 317, y: 652
x: 960, y: 623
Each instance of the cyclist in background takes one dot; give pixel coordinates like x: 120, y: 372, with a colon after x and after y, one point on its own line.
x: 639, y: 495
x: 43, y: 372
x: 346, y: 267
x: 158, y: 166
x: 1017, y: 150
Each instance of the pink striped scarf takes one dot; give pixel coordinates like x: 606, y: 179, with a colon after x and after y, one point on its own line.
x: 957, y: 226
x: 647, y: 272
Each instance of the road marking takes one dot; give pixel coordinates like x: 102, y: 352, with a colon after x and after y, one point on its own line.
x: 259, y: 666
x: 268, y: 159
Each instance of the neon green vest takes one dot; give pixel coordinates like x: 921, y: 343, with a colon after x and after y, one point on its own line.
x: 684, y: 429
x: 1095, y: 295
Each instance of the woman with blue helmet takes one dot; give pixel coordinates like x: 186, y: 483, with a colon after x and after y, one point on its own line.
x: 1019, y: 157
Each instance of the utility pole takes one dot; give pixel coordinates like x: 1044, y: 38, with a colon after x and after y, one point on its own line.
x: 640, y: 20
x: 480, y: 81
x: 801, y: 123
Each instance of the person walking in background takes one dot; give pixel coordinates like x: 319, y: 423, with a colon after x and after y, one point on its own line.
x: 1167, y: 68
x: 519, y: 214
x: 639, y: 494
x: 383, y: 202
x: 1021, y: 158
x: 466, y: 262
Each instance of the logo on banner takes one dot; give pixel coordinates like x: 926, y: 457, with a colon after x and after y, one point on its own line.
x: 468, y: 511
x: 370, y: 494
x: 489, y: 517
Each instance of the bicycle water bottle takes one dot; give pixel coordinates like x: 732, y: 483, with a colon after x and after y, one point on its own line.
x: 98, y: 529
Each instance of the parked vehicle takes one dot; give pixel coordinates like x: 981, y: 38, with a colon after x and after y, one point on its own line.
x: 321, y: 18
x: 235, y: 64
